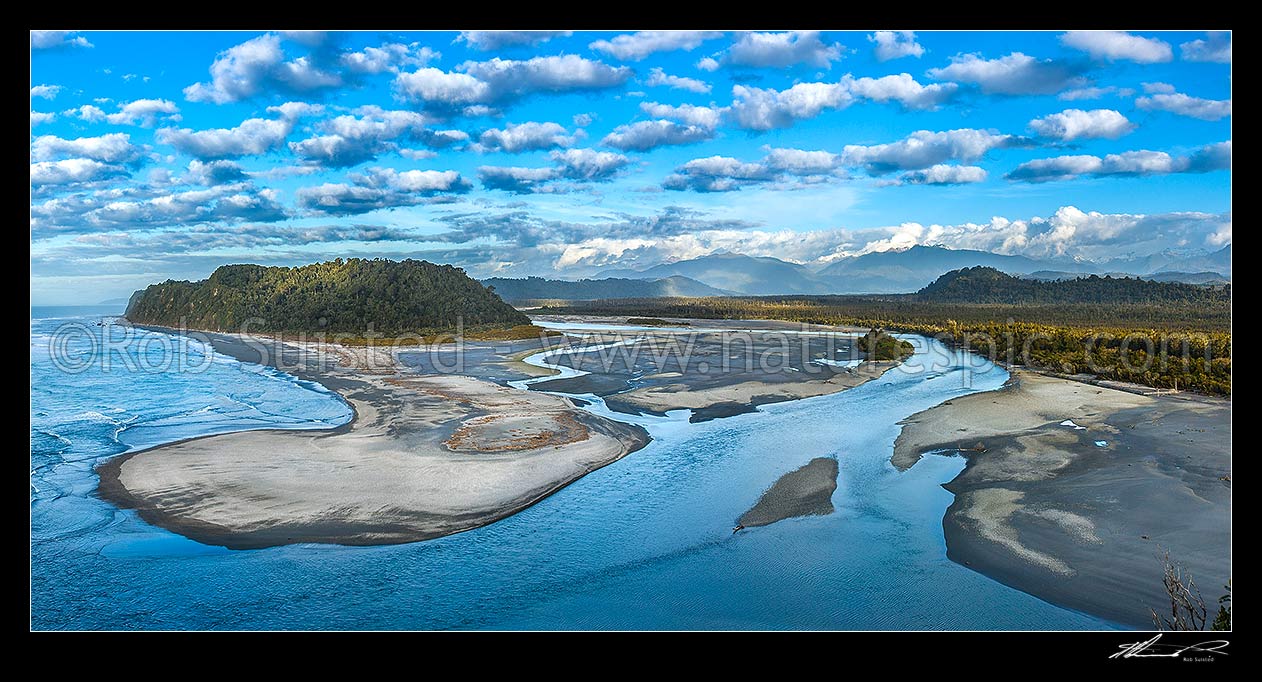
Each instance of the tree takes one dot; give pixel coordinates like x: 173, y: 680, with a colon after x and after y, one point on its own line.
x: 1187, y: 607
x: 1223, y: 620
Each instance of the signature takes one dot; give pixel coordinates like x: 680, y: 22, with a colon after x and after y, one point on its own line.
x: 1152, y: 649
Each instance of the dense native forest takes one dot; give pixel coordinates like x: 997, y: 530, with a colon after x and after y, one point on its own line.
x: 354, y: 296
x: 879, y: 345
x: 1107, y: 327
x: 988, y: 285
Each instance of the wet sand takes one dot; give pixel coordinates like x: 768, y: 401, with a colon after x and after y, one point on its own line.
x: 724, y: 400
x: 716, y: 368
x: 424, y: 456
x: 807, y: 491
x: 1079, y: 516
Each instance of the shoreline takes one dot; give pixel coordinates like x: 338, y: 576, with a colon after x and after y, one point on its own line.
x: 1070, y: 490
x: 1041, y: 507
x: 404, y: 430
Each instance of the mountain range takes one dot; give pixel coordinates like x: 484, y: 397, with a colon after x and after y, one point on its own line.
x: 911, y: 269
x: 608, y: 288
x: 754, y: 275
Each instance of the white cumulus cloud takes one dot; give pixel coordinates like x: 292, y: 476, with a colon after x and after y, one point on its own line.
x: 895, y: 44
x: 47, y: 40
x: 254, y: 136
x: 112, y: 148
x: 496, y: 40
x: 1140, y: 162
x: 1094, y: 92
x: 524, y: 137
x: 787, y: 166
x: 379, y: 189
x: 1119, y: 45
x: 901, y: 88
x: 389, y: 57
x: 801, y: 161
x: 645, y: 135
x: 45, y: 91
x: 1014, y: 74
x: 781, y: 50
x: 1216, y: 47
x: 1074, y: 124
x: 659, y: 77
x: 767, y: 109
x: 249, y: 68
x: 637, y: 46
x: 944, y: 174
x: 72, y: 171
x: 705, y: 117
x: 924, y: 148
x: 589, y: 164
x: 1186, y: 105
x: 144, y: 112
x: 499, y: 81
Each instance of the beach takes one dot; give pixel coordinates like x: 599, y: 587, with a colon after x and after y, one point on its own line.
x: 423, y: 457
x: 1072, y: 492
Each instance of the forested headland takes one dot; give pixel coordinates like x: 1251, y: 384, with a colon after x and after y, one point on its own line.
x: 354, y: 297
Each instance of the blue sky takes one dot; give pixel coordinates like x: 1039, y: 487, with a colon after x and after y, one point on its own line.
x: 162, y: 155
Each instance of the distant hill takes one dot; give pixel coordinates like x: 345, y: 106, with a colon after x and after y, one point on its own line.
x: 1055, y: 275
x: 988, y: 285
x: 115, y: 301
x: 753, y: 275
x: 347, y: 296
x: 1189, y: 277
x: 1185, y: 277
x: 590, y: 289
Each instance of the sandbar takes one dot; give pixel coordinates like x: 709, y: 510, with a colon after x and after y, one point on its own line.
x: 1080, y: 516
x: 424, y: 456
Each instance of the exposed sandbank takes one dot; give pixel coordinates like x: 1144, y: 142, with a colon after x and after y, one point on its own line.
x: 424, y: 456
x: 725, y: 400
x: 716, y: 368
x: 1078, y: 516
x: 807, y: 491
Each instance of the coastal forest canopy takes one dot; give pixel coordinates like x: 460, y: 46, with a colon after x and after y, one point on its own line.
x: 983, y: 284
x: 350, y: 296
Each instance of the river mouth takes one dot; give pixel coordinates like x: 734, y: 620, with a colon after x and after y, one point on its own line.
x: 644, y: 543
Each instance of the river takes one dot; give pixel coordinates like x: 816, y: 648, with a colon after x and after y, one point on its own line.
x: 644, y: 543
